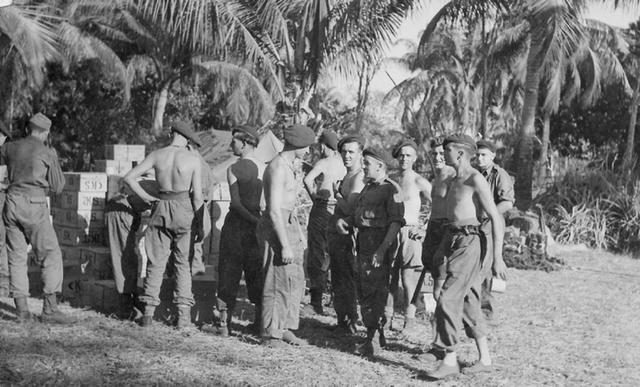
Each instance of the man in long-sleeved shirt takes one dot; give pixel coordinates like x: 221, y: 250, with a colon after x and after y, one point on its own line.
x: 33, y: 170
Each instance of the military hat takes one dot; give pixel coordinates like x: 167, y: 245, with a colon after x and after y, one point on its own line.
x: 402, y: 144
x: 351, y: 138
x: 186, y: 129
x: 247, y: 129
x: 5, y: 129
x: 299, y: 136
x: 378, y: 153
x: 487, y: 145
x: 461, y: 139
x: 40, y: 121
x: 329, y: 138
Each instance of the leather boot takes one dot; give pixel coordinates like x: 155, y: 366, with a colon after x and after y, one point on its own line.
x: 22, y: 309
x: 184, y: 317
x: 147, y: 318
x: 316, y: 301
x: 371, y: 346
x: 254, y: 327
x: 51, y: 313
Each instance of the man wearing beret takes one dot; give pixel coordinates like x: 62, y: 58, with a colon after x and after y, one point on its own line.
x: 461, y: 255
x: 341, y: 244
x: 239, y: 250
x: 377, y: 217
x: 179, y: 175
x: 33, y: 170
x: 407, y: 247
x: 4, y: 263
x: 319, y: 184
x: 281, y: 240
x: 501, y: 186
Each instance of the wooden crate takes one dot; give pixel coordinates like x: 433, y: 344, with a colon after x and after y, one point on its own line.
x: 85, y: 182
x: 78, y: 218
x: 124, y: 152
x: 96, y: 262
x: 114, y: 167
x: 73, y: 236
x: 70, y: 254
x: 79, y: 200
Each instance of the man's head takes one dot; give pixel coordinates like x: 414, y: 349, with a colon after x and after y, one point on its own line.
x: 39, y: 125
x: 458, y: 149
x: 437, y: 153
x: 182, y: 131
x: 375, y: 163
x: 298, y: 138
x: 244, y: 140
x: 350, y: 148
x: 329, y: 142
x: 485, y: 154
x: 406, y: 152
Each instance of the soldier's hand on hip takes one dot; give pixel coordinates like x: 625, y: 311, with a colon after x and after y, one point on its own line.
x: 287, y: 255
x: 342, y: 226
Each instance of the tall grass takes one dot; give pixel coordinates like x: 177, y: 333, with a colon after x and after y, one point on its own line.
x: 596, y: 206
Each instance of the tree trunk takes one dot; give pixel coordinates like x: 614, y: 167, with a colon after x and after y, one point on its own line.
x: 524, y: 149
x: 544, y: 152
x: 627, y: 158
x: 159, y: 108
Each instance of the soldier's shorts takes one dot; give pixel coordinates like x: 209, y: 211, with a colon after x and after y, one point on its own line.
x: 407, y: 250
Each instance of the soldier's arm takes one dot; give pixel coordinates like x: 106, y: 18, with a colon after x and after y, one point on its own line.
x: 485, y: 197
x: 310, y: 179
x: 395, y: 220
x: 506, y: 193
x: 425, y: 188
x: 196, y: 199
x: 55, y: 177
x: 236, y: 202
x: 275, y: 185
x: 131, y: 178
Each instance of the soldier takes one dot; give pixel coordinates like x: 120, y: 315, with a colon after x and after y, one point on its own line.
x: 319, y: 184
x: 407, y: 247
x: 377, y: 217
x: 238, y: 243
x: 341, y: 245
x: 5, y: 134
x: 461, y: 255
x: 33, y: 169
x: 178, y: 172
x: 280, y: 239
x: 501, y: 186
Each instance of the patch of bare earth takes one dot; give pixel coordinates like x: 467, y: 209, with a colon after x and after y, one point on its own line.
x: 577, y: 326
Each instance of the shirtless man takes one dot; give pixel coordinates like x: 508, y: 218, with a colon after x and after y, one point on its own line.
x: 461, y: 254
x: 408, y: 245
x: 280, y: 239
x: 179, y: 176
x: 319, y: 184
x: 341, y: 245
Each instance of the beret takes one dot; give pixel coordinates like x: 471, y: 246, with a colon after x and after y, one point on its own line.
x: 486, y: 144
x: 378, y: 153
x: 5, y: 129
x: 402, y: 144
x: 350, y: 138
x: 299, y: 136
x: 186, y: 129
x: 247, y: 129
x: 329, y: 138
x: 41, y: 121
x: 461, y: 139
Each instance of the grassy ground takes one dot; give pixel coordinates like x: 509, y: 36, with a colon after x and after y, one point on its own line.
x: 573, y: 327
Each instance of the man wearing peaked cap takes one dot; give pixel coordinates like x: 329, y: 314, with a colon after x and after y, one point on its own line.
x: 378, y: 216
x: 180, y: 209
x: 33, y: 171
x: 501, y: 185
x: 281, y: 241
x: 319, y: 183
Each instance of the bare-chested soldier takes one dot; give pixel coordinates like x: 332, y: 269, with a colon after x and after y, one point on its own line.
x: 280, y: 239
x: 319, y: 184
x: 461, y: 254
x: 179, y: 176
x: 341, y: 245
x: 408, y: 245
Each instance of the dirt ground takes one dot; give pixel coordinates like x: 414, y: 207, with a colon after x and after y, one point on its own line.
x: 572, y: 327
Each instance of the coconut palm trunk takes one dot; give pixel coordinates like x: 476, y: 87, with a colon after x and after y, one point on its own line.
x: 544, y: 152
x: 627, y: 159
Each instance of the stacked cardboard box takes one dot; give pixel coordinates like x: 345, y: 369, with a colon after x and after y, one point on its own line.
x: 120, y: 158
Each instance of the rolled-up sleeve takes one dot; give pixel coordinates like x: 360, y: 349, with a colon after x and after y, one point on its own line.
x: 504, y: 191
x: 55, y: 177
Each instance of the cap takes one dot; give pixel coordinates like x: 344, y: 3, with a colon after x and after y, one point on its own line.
x: 329, y: 138
x: 487, y: 145
x: 402, y: 144
x: 186, y: 129
x: 350, y: 138
x: 40, y: 121
x: 299, y: 136
x: 247, y: 129
x: 5, y: 129
x: 461, y: 139
x: 378, y: 153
